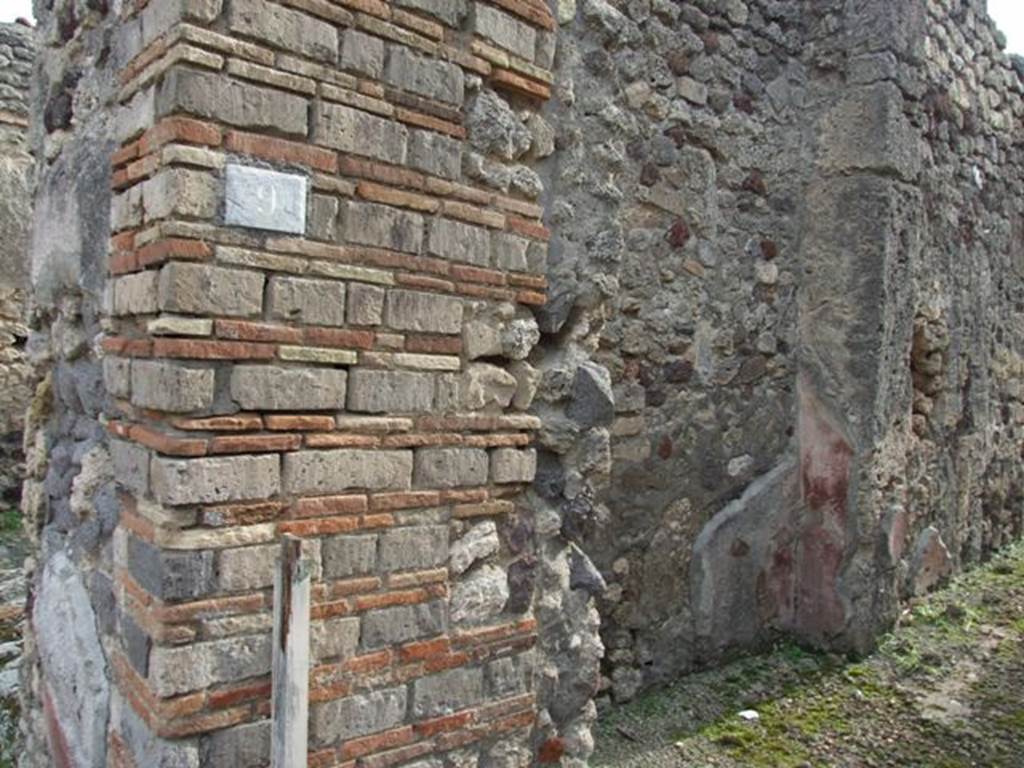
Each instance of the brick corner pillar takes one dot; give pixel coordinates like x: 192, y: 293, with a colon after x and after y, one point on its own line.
x: 315, y: 320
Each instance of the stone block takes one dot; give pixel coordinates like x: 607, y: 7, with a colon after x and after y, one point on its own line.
x: 180, y: 192
x: 424, y: 76
x: 402, y: 623
x: 135, y: 294
x: 276, y: 388
x: 203, y: 289
x: 159, y: 18
x: 247, y: 568
x: 447, y: 692
x: 347, y: 555
x: 423, y: 312
x: 481, y: 387
x: 259, y: 198
x: 319, y: 472
x: 435, y: 153
x: 360, y: 133
x: 482, y: 337
x: 511, y: 465
x: 495, y: 128
x: 173, y: 325
x: 243, y: 105
x: 450, y: 467
x: 510, y: 676
x: 593, y: 401
x: 362, y: 53
x: 692, y: 90
x: 365, y: 304
x: 187, y: 668
x: 318, y: 355
x: 117, y: 376
x: 244, y: 746
x: 307, y: 301
x: 391, y: 392
x: 126, y: 208
x: 355, y: 716
x: 480, y: 597
x: 131, y: 465
x: 456, y: 241
x: 322, y: 221
x: 479, y: 542
x: 868, y: 131
x: 210, y: 480
x: 870, y: 68
x: 510, y: 252
x: 506, y: 31
x: 171, y: 575
x: 527, y: 379
x: 519, y: 336
x: 414, y: 548
x: 171, y: 387
x: 450, y: 12
x: 282, y: 27
x: 384, y: 227
x: 136, y: 643
x: 537, y: 258
x: 333, y: 638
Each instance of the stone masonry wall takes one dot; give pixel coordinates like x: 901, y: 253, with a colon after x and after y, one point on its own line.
x: 582, y: 346
x: 771, y: 400
x: 16, y: 54
x: 673, y: 277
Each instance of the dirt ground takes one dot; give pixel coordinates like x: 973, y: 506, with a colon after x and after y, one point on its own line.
x: 12, y: 607
x: 944, y: 690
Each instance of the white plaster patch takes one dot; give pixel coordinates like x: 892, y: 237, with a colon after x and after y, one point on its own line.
x: 263, y: 199
x: 72, y: 660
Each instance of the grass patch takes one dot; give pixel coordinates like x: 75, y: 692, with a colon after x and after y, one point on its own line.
x: 961, y: 645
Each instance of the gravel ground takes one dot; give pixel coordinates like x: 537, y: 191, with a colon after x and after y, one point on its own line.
x: 944, y: 690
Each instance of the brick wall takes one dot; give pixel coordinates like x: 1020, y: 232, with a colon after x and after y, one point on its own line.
x: 353, y: 376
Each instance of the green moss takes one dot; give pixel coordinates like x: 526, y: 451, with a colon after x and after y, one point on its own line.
x: 10, y: 522
x: 756, y: 746
x: 820, y: 709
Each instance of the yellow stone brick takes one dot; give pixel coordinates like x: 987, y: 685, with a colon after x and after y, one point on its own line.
x: 350, y: 272
x: 174, y: 325
x: 318, y: 355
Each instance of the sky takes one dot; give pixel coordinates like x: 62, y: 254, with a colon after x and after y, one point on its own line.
x: 1009, y: 14
x: 12, y: 9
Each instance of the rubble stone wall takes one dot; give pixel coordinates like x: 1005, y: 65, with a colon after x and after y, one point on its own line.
x: 784, y: 239
x: 581, y: 345
x: 16, y: 54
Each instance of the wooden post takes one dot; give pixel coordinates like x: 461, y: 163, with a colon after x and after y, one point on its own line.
x: 290, y: 680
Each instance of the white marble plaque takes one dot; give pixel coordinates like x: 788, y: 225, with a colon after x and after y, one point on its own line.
x: 262, y: 199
